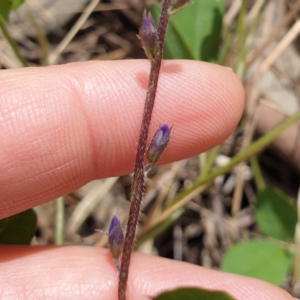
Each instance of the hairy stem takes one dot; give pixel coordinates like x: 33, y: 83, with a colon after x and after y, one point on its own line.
x: 137, y: 189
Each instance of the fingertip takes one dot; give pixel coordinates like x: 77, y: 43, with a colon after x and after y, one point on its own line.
x: 73, y: 272
x: 152, y: 275
x: 212, y: 107
x: 76, y: 122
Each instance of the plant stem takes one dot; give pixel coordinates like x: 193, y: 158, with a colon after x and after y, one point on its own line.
x: 251, y: 150
x: 40, y: 36
x: 256, y: 170
x: 154, y: 228
x: 13, y: 44
x: 59, y: 220
x: 137, y: 188
x: 209, y: 162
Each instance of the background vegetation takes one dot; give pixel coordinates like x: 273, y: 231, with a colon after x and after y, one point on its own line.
x: 235, y: 207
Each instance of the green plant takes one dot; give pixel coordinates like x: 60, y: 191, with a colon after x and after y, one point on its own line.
x: 6, y: 6
x: 195, y: 32
x: 192, y: 294
x: 152, y: 39
x: 18, y: 229
x: 270, y: 257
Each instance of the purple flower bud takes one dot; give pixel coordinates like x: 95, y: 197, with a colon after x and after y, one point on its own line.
x: 148, y: 35
x: 115, y: 237
x: 177, y: 6
x: 159, y: 142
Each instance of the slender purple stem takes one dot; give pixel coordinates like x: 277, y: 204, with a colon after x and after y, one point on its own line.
x: 137, y: 189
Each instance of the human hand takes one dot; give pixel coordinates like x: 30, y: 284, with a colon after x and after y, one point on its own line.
x: 66, y: 125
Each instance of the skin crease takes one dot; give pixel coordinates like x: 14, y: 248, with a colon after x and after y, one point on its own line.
x: 63, y: 126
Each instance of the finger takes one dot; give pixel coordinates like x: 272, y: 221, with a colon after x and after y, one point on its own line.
x: 89, y: 273
x: 63, y: 126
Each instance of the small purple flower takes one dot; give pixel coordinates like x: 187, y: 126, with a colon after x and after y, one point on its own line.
x: 148, y: 35
x: 159, y: 142
x: 115, y: 237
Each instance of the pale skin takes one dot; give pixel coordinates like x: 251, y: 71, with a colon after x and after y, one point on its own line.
x: 64, y: 126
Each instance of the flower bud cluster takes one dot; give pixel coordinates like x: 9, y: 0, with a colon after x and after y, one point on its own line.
x: 158, y: 144
x: 115, y: 237
x: 148, y: 36
x: 115, y: 241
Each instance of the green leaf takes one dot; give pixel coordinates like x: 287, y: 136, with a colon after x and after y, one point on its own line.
x: 5, y: 7
x: 16, y: 3
x: 193, y: 294
x: 258, y: 258
x: 194, y: 33
x: 18, y: 229
x: 275, y: 215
